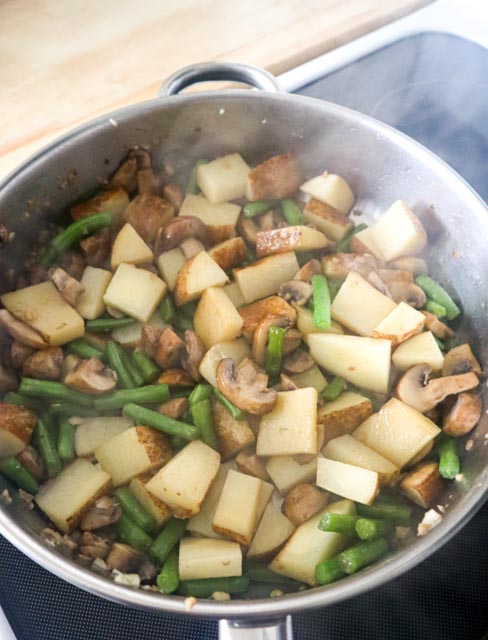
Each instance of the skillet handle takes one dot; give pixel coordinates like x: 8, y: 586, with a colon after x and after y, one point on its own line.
x: 264, y: 630
x: 208, y: 71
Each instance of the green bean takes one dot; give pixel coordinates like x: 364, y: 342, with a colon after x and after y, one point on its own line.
x: 321, y: 302
x: 334, y: 286
x: 253, y: 209
x: 201, y: 413
x: 451, y: 343
x: 330, y: 570
x: 16, y: 471
x: 168, y: 538
x: 146, y: 367
x: 292, y: 212
x: 177, y: 442
x: 54, y: 391
x: 205, y: 587
x: 234, y: 411
x: 372, y: 528
x: 144, y: 395
x: 101, y: 325
x: 435, y: 308
x: 158, y: 421
x: 182, y: 322
x: 169, y: 578
x: 71, y: 234
x: 11, y: 397
x: 46, y: 444
x: 116, y: 361
x: 338, y: 523
x: 68, y: 410
x: 258, y: 572
x: 436, y: 293
x: 132, y: 534
x: 274, y: 352
x: 440, y: 344
x: 66, y: 441
x: 134, y: 510
x: 376, y: 402
x: 167, y: 309
x: 344, y: 245
x: 449, y: 464
x: 334, y: 389
x: 304, y: 256
x: 181, y: 392
x: 200, y: 392
x: 132, y: 369
x: 362, y: 554
x: 84, y: 350
x: 188, y: 309
x: 397, y: 513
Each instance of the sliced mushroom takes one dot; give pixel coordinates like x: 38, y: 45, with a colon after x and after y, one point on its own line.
x: 402, y: 287
x: 174, y: 408
x: 93, y: 546
x: 126, y: 175
x: 176, y: 378
x: 309, y: 269
x: 73, y: 263
x: 463, y: 416
x: 150, y: 336
x: 105, y: 511
x: 174, y: 194
x: 303, y: 502
x: 245, y: 386
x: 184, y: 227
x: 147, y: 181
x: 460, y: 360
x: 193, y: 354
x: 298, y: 361
x: 338, y: 265
x: 438, y: 328
x: 147, y: 570
x: 266, y: 221
x: 261, y: 335
x: 21, y: 331
x: 70, y: 361
x: 296, y: 291
x: 292, y: 340
x: 251, y: 464
x: 96, y: 247
x: 254, y: 313
x: 124, y: 558
x: 147, y: 213
x: 32, y: 461
x: 423, y: 485
x: 374, y: 279
x: 416, y: 390
x: 247, y: 229
x: 410, y: 263
x: 191, y: 247
x: 91, y: 376
x: 19, y: 353
x: 287, y: 384
x: 44, y: 364
x: 169, y: 349
x: 67, y: 286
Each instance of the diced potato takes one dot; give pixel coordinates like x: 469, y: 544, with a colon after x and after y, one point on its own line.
x: 276, y: 178
x: 234, y: 294
x: 89, y: 303
x: 331, y: 189
x: 43, y: 308
x: 233, y: 435
x: 201, y: 522
x: 221, y: 219
x: 129, y: 247
x: 92, y: 433
x: 16, y: 427
x: 185, y: 480
x: 264, y: 497
x: 170, y: 263
x: 364, y: 242
x: 223, y: 179
x: 399, y: 432
x: 306, y: 325
x: 229, y: 254
x: 67, y: 497
x: 423, y: 485
x: 134, y: 451
x: 114, y: 200
x: 203, y: 558
x: 287, y: 473
x: 291, y: 427
x: 347, y: 480
x: 420, y: 348
x: 253, y: 314
x: 399, y: 232
x: 359, y: 306
x: 330, y: 221
x: 136, y: 292
x: 400, y: 325
x: 297, y: 238
x: 130, y: 336
x: 352, y: 451
x: 156, y: 507
x: 236, y: 513
x: 309, y: 545
x: 310, y: 378
x: 363, y: 361
x: 216, y: 319
x: 273, y: 531
x: 343, y: 415
x: 235, y: 349
x: 199, y: 273
x: 262, y: 278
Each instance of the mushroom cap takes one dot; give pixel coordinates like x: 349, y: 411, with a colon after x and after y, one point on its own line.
x: 21, y: 331
x: 298, y: 361
x: 91, y: 376
x: 183, y: 227
x: 309, y: 269
x: 296, y: 291
x: 460, y: 360
x: 193, y: 354
x: 438, y: 328
x: 245, y: 386
x: 463, y: 416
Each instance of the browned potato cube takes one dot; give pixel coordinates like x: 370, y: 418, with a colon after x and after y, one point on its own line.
x: 234, y: 435
x: 423, y: 485
x: 16, y: 427
x: 275, y: 178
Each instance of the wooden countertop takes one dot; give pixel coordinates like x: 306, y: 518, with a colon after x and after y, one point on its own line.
x: 64, y: 63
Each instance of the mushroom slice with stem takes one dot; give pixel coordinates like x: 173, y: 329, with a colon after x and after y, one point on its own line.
x: 438, y: 328
x: 410, y: 263
x: 246, y: 386
x: 21, y: 331
x: 374, y: 279
x: 191, y: 247
x: 296, y: 291
x: 463, y: 416
x: 416, y: 390
x: 181, y: 228
x: 67, y: 286
x: 105, y: 511
x: 460, y: 360
x: 309, y: 269
x: 402, y: 287
x: 287, y: 384
x: 91, y: 376
x: 338, y: 265
x: 298, y: 361
x: 193, y: 354
x: 303, y: 502
x: 45, y: 364
x: 292, y: 340
x: 261, y: 335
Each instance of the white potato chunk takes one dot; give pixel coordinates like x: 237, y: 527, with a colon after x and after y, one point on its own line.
x: 134, y: 451
x: 286, y: 473
x: 67, y: 497
x: 221, y: 219
x: 363, y: 242
x: 216, y: 318
x: 343, y: 415
x: 363, y: 361
x: 309, y: 545
x: 89, y: 303
x: 199, y: 273
x: 136, y: 292
x: 16, y: 427
x: 334, y: 224
x: 312, y: 377
x: 156, y: 507
x: 201, y: 522
x: 264, y: 497
x: 359, y: 306
x: 400, y: 325
x: 115, y: 200
x: 398, y: 432
x: 234, y: 294
x: 186, y: 479
x: 206, y: 558
x: 273, y: 531
x: 331, y: 189
x: 129, y: 247
x: 43, y: 308
x: 230, y: 253
x: 92, y: 433
x: 420, y: 348
x: 291, y: 426
x: 305, y: 324
x: 223, y: 179
x: 235, y: 349
x: 170, y: 263
x: 347, y: 480
x: 262, y: 278
x: 296, y: 238
x: 130, y: 336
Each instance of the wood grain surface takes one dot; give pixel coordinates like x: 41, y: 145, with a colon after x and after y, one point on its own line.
x: 64, y: 62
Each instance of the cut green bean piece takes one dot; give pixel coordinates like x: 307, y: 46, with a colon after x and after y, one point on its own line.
x: 168, y: 538
x: 84, y: 350
x: 372, y: 528
x: 376, y: 402
x: 11, y: 397
x: 451, y: 343
x: 71, y: 234
x: 135, y: 510
x: 235, y: 412
x: 201, y: 413
x: 46, y: 444
x: 292, y: 212
x: 188, y: 309
x: 362, y: 554
x: 200, y: 392
x: 252, y: 209
x: 338, y: 523
x: 167, y: 309
x: 334, y: 286
x: 334, y: 389
x: 177, y: 442
x: 132, y: 534
x: 101, y: 325
x: 192, y: 185
x: 274, y: 352
x: 116, y: 361
x: 204, y: 588
x: 54, y: 391
x: 435, y: 308
x: 158, y: 421
x: 151, y: 394
x: 436, y: 293
x: 181, y: 392
x: 344, y: 245
x: 329, y: 570
x: 132, y: 368
x: 399, y: 514
x: 258, y: 572
x: 68, y: 410
x: 66, y: 441
x: 321, y: 302
x: 440, y: 344
x: 449, y: 464
x: 182, y: 322
x: 169, y: 578
x: 146, y: 367
x: 19, y: 475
